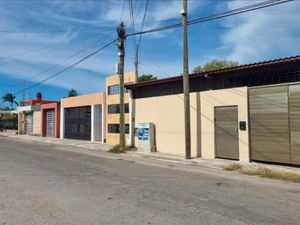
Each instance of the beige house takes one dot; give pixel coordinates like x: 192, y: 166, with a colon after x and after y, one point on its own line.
x: 96, y: 116
x: 83, y: 117
x: 249, y: 112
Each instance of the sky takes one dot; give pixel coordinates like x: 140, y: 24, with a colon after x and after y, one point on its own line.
x: 39, y: 38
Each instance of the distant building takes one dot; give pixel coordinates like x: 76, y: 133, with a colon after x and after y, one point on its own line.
x: 30, y: 117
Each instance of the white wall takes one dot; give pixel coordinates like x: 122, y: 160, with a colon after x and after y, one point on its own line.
x: 97, y: 123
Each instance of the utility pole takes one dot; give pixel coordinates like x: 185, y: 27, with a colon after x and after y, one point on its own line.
x: 186, y: 85
x: 136, y: 63
x: 121, y: 53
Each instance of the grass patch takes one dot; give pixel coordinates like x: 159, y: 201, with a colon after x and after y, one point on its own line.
x: 117, y: 149
x: 233, y: 167
x: 265, y: 172
x: 272, y: 174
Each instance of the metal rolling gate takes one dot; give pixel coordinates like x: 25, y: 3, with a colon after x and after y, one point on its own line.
x: 50, y: 123
x: 29, y: 123
x: 275, y: 124
x: 78, y: 123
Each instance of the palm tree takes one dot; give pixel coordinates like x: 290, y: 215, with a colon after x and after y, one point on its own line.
x: 9, y: 97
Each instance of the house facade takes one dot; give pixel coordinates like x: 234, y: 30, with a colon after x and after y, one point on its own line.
x: 83, y: 117
x: 30, y: 116
x: 113, y: 107
x: 246, y: 113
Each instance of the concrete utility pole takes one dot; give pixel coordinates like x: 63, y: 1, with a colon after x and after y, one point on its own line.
x: 186, y: 85
x: 121, y: 53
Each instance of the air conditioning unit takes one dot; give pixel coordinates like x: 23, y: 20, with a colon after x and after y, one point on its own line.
x: 146, y: 137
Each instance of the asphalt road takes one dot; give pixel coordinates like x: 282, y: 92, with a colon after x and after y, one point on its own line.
x: 44, y: 184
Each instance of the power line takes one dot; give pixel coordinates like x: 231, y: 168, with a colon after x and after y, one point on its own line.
x: 236, y: 11
x: 69, y: 67
x: 53, y: 31
x: 46, y: 47
x: 91, y: 45
x: 143, y: 22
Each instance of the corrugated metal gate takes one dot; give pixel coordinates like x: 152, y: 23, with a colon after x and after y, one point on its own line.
x: 78, y: 123
x: 226, y: 132
x: 50, y: 123
x: 28, y: 123
x: 275, y: 124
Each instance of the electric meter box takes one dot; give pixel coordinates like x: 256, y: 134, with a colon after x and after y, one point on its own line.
x: 146, y: 137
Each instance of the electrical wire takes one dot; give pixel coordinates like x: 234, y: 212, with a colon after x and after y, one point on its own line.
x: 69, y: 57
x: 236, y: 11
x: 68, y: 67
x: 143, y: 22
x: 46, y: 47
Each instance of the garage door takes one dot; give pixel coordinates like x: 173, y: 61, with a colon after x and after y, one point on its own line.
x: 226, y: 132
x: 50, y: 123
x: 28, y: 123
x: 269, y: 122
x: 294, y: 110
x: 78, y: 123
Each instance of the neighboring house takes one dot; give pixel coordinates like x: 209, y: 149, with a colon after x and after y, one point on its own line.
x: 113, y: 107
x: 96, y: 117
x: 83, y: 117
x: 247, y: 113
x: 30, y: 117
x: 50, y: 114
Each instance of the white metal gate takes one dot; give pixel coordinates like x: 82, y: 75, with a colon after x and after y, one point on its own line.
x: 50, y: 123
x: 28, y: 123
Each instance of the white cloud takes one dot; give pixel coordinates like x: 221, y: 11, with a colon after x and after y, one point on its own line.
x: 263, y: 34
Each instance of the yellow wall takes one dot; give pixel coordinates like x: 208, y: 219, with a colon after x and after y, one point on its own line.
x: 166, y: 112
x: 83, y: 100
x: 226, y: 97
x: 129, y: 77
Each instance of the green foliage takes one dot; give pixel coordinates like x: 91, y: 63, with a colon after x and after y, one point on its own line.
x: 215, y: 65
x: 72, y: 93
x: 9, y: 97
x: 146, y: 77
x: 117, y: 149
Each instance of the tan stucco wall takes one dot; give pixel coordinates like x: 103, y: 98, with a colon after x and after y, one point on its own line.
x: 227, y: 97
x: 129, y: 77
x: 83, y: 100
x: 37, y: 122
x: 167, y: 114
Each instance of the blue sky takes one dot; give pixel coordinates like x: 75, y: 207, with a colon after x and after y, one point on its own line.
x: 32, y: 47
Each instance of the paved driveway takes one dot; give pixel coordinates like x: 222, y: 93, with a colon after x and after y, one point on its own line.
x: 41, y: 183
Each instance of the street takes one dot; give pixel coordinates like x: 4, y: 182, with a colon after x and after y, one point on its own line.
x: 46, y: 184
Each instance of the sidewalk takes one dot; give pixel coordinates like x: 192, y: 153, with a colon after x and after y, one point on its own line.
x: 98, y: 149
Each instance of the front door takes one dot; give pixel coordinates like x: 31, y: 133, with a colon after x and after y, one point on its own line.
x: 226, y: 132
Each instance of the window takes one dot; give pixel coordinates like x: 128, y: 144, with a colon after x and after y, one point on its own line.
x: 115, y: 128
x: 115, y: 108
x: 114, y: 89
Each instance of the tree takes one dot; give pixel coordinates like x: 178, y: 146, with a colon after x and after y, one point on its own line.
x: 146, y: 77
x: 72, y: 93
x: 215, y: 65
x: 9, y: 97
